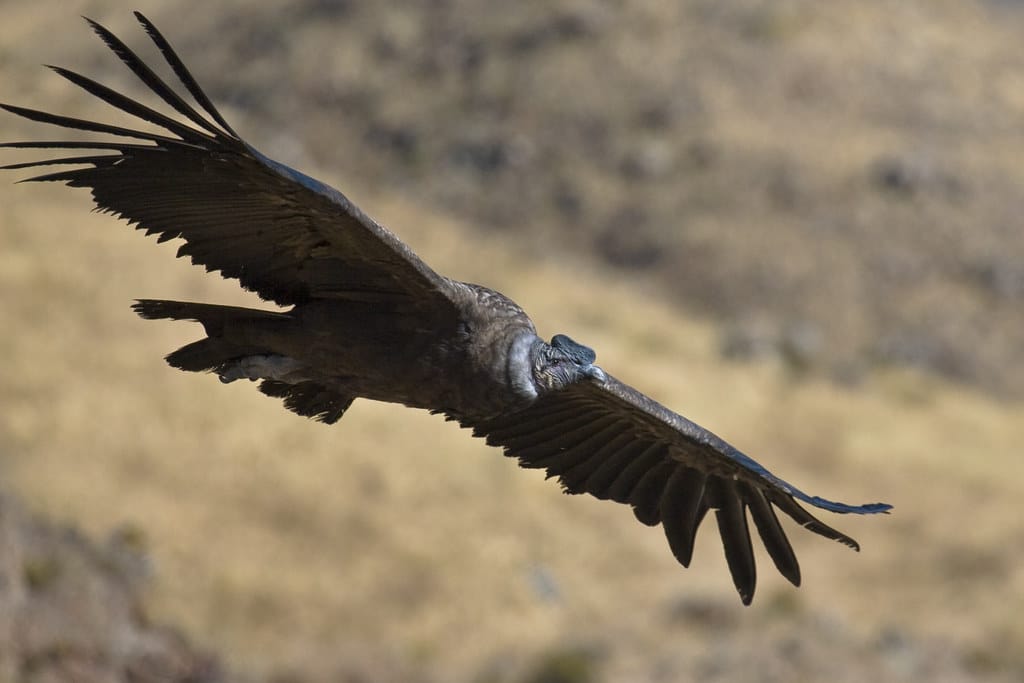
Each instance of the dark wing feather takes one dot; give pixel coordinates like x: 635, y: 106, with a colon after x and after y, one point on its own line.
x: 279, y: 232
x: 618, y: 443
x: 683, y: 509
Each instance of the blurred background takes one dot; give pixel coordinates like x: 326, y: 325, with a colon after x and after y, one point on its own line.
x: 797, y: 223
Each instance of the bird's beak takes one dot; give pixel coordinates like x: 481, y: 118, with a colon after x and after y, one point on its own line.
x: 594, y: 372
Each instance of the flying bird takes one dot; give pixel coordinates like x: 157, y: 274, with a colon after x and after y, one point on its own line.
x: 367, y: 318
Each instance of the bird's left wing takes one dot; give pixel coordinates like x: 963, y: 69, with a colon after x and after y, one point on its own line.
x: 282, y: 234
x: 611, y: 441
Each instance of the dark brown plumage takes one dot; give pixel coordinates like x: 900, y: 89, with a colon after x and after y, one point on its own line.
x: 369, y: 319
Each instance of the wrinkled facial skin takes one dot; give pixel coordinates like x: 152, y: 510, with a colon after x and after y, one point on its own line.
x: 563, y: 362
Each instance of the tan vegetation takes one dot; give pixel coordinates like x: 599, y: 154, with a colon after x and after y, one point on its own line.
x: 393, y: 546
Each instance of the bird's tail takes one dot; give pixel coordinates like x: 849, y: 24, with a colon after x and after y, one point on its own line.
x: 232, y: 332
x: 239, y: 345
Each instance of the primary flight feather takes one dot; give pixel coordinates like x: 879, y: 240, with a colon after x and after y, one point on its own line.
x: 369, y: 319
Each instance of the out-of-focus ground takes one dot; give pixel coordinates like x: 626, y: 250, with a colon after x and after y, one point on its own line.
x: 797, y: 223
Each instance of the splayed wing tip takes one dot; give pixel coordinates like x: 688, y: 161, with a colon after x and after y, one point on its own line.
x: 844, y: 508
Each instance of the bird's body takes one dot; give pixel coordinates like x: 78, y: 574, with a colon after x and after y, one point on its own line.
x: 475, y: 364
x: 367, y: 318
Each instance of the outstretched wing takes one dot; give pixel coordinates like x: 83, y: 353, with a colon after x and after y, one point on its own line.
x: 609, y: 440
x: 282, y: 234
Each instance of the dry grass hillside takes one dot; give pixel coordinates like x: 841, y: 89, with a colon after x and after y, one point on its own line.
x: 394, y: 547
x: 835, y: 183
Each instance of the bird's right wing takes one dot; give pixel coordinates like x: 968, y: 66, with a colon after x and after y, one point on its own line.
x: 608, y: 439
x: 282, y: 234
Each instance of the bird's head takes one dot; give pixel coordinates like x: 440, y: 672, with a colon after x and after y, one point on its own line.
x: 563, y: 362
